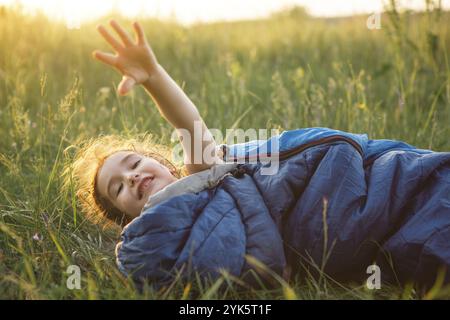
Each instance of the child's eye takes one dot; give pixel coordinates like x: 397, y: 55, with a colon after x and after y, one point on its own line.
x: 136, y: 164
x: 120, y: 189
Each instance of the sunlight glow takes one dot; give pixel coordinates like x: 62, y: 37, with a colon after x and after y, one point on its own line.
x: 76, y: 12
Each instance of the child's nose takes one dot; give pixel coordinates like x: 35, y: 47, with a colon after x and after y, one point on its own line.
x: 133, y: 178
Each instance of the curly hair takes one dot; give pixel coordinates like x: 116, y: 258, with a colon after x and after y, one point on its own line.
x: 90, y: 155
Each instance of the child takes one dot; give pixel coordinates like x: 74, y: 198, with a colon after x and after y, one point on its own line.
x: 115, y: 180
x: 338, y: 204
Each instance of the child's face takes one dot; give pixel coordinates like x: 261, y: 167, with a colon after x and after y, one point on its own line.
x: 127, y: 179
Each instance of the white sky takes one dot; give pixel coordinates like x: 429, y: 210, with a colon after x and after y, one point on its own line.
x: 188, y: 11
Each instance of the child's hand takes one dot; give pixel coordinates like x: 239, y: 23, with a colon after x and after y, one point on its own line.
x: 134, y: 60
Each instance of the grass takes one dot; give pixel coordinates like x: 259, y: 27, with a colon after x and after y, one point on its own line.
x: 291, y: 70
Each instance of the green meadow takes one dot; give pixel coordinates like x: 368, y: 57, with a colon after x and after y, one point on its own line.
x: 287, y: 71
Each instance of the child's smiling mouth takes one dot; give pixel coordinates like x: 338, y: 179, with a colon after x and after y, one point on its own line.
x: 144, y: 186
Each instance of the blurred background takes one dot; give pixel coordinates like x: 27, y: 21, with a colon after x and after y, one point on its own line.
x: 195, y: 11
x: 376, y: 67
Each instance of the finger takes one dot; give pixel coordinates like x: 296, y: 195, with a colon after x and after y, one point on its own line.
x: 104, y: 57
x: 126, y: 85
x: 122, y: 33
x: 109, y: 38
x: 140, y: 36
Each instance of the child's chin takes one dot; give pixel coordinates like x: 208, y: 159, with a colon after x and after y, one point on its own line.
x: 156, y: 188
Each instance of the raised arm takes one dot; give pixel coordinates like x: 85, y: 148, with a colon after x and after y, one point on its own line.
x: 137, y: 63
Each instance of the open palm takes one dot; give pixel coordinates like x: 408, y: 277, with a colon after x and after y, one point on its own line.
x: 135, y: 60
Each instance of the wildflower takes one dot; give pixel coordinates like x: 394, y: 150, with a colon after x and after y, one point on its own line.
x: 235, y: 70
x: 37, y: 237
x: 299, y: 73
x: 82, y: 109
x: 361, y: 106
x: 104, y: 90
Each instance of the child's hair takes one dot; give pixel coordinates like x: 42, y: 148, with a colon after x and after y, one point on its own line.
x: 90, y: 156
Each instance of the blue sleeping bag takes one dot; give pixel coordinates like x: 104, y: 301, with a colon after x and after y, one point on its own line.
x: 337, y: 203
